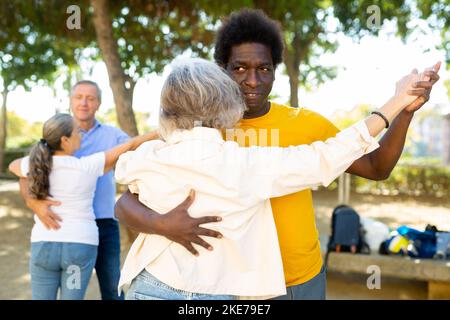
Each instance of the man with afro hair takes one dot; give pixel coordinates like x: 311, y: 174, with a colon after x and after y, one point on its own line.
x: 249, y: 46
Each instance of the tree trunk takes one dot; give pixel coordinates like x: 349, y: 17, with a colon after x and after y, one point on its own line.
x: 292, y: 60
x: 117, y: 78
x: 123, y: 96
x: 3, y: 127
x: 295, y: 53
x: 293, y: 84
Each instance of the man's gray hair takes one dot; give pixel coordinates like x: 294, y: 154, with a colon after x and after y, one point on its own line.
x: 92, y: 83
x: 196, y: 92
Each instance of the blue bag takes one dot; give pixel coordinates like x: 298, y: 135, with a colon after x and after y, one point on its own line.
x: 423, y: 242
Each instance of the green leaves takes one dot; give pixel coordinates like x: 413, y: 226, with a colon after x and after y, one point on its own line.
x: 150, y: 33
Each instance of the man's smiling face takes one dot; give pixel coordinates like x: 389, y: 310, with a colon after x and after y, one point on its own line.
x: 251, y: 66
x: 85, y: 102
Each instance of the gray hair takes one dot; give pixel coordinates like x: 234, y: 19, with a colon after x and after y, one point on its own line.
x: 89, y: 82
x: 199, y: 91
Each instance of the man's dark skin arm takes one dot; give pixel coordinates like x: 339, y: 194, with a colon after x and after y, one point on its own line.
x: 379, y: 164
x: 176, y: 225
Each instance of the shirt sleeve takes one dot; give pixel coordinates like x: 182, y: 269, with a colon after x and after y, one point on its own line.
x: 122, y: 174
x: 94, y: 164
x: 129, y: 166
x: 25, y: 165
x: 281, y: 171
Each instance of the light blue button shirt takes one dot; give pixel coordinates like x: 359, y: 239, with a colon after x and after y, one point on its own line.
x: 100, y: 138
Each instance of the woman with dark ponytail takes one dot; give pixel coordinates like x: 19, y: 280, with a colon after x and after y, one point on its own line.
x: 60, y: 125
x: 64, y: 259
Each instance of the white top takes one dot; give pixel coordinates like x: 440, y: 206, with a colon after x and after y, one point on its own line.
x: 72, y: 182
x: 236, y: 184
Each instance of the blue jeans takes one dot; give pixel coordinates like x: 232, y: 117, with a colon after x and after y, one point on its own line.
x: 147, y: 287
x: 314, y: 289
x: 107, y: 265
x: 61, y: 265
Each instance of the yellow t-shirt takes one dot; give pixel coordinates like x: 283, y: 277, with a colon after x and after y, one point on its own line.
x: 293, y: 214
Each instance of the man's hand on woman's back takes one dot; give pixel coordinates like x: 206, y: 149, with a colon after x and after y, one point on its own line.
x: 41, y: 208
x: 176, y: 225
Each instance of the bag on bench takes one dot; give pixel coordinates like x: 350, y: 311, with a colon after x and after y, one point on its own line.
x: 419, y: 244
x: 346, y: 232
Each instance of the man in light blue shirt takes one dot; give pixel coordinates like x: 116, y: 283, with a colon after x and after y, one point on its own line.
x: 99, y: 138
x: 85, y: 100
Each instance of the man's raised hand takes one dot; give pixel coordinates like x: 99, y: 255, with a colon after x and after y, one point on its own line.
x: 422, y: 88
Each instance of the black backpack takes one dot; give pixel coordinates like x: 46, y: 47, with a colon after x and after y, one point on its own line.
x: 346, y: 232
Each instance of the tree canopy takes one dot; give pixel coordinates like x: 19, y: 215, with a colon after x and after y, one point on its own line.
x: 145, y: 35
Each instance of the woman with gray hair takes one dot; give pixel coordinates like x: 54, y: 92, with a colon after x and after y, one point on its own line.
x: 197, y: 92
x: 199, y: 101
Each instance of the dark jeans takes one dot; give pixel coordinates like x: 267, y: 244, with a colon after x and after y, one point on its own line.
x: 314, y: 289
x: 107, y: 265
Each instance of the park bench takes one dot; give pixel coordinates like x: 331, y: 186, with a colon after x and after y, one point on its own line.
x: 435, y: 272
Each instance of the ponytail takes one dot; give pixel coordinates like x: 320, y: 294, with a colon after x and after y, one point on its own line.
x: 40, y: 168
x: 41, y: 155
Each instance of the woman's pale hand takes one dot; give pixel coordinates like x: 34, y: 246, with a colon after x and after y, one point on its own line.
x: 422, y: 89
x: 405, y: 85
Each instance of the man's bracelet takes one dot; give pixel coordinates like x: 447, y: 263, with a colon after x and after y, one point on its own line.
x: 382, y: 116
